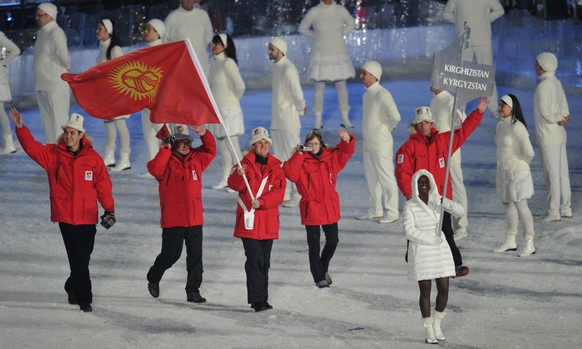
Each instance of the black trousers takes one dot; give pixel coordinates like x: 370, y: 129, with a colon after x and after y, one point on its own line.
x: 258, y: 253
x: 79, y: 241
x: 319, y: 264
x: 449, y: 234
x: 173, y: 240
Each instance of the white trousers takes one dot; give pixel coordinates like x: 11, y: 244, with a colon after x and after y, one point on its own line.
x: 284, y: 144
x: 226, y: 152
x: 149, y: 134
x: 111, y: 128
x: 4, y: 123
x: 459, y: 192
x: 514, y: 210
x: 557, y: 177
x: 484, y: 55
x: 54, y: 112
x: 379, y: 172
x: 342, y: 96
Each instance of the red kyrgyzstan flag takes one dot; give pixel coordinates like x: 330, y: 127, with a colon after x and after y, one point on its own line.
x: 162, y: 78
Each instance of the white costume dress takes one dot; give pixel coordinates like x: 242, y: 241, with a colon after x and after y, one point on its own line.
x: 287, y: 105
x: 478, y: 14
x: 380, y: 117
x: 441, y: 107
x: 551, y: 106
x: 428, y: 257
x: 12, y: 51
x: 51, y: 59
x: 194, y: 25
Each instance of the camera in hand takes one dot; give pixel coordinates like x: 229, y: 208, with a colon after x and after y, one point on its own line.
x: 108, y: 220
x: 304, y: 148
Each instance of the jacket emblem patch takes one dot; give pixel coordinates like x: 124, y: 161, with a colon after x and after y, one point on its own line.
x: 442, y: 162
x: 400, y: 158
x: 194, y: 175
x: 88, y: 175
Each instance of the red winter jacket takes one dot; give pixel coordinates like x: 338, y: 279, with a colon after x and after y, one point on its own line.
x: 316, y: 179
x: 418, y: 153
x: 76, y: 181
x: 180, y: 183
x: 266, y: 226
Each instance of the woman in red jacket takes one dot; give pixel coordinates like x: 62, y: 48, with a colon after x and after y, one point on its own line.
x: 178, y: 168
x: 77, y: 179
x: 257, y: 217
x: 315, y: 173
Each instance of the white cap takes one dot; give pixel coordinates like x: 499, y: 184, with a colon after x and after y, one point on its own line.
x: 49, y: 9
x: 224, y: 39
x: 373, y: 68
x: 159, y: 26
x: 75, y: 121
x: 280, y: 44
x: 507, y: 100
x: 548, y: 61
x: 108, y: 25
x: 258, y: 134
x: 423, y: 114
x: 180, y: 129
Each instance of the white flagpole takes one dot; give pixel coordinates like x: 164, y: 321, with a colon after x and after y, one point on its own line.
x: 466, y: 34
x: 215, y: 106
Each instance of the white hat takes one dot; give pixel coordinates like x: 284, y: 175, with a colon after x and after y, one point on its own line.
x: 423, y: 114
x: 280, y: 44
x: 108, y: 25
x: 373, y: 68
x: 49, y: 9
x: 548, y: 61
x: 159, y: 26
x: 75, y: 121
x: 224, y: 39
x: 258, y: 134
x: 507, y: 100
x: 180, y: 129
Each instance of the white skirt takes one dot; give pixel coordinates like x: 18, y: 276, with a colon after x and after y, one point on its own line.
x: 330, y: 67
x: 514, y: 186
x: 5, y: 95
x: 233, y: 120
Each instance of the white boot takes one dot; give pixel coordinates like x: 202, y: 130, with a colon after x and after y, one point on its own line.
x: 109, y: 158
x: 123, y: 164
x: 429, y: 337
x: 346, y: 120
x: 509, y: 244
x: 223, y: 182
x: 528, y: 250
x: 318, y: 124
x: 9, y: 147
x: 437, y: 317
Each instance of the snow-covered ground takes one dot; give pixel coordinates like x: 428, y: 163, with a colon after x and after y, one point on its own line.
x: 505, y: 302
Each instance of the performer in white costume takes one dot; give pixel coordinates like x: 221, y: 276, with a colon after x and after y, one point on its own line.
x: 514, y: 185
x: 228, y: 88
x: 551, y: 114
x: 153, y: 35
x: 478, y: 15
x: 109, y: 48
x: 441, y: 107
x: 326, y: 24
x: 380, y: 117
x: 10, y: 52
x: 51, y: 59
x: 189, y: 21
x: 287, y: 105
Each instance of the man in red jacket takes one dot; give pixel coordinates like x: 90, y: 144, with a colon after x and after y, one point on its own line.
x: 178, y: 168
x: 257, y: 215
x: 77, y: 179
x: 427, y: 149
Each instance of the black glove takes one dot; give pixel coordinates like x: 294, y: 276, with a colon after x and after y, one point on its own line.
x: 108, y: 219
x: 168, y: 140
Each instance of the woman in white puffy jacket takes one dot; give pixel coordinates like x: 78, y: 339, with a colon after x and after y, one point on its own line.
x: 228, y: 88
x: 514, y: 181
x: 429, y: 255
x: 109, y: 48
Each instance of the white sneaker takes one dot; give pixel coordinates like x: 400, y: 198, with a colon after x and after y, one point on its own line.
x: 566, y: 213
x: 552, y: 218
x: 368, y: 217
x: 388, y: 219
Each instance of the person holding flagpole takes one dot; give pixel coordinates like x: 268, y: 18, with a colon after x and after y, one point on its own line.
x: 178, y: 168
x: 228, y: 88
x: 428, y: 149
x: 257, y: 214
x: 153, y: 35
x: 109, y: 48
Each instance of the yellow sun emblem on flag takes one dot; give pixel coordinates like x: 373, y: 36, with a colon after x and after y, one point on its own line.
x: 137, y: 80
